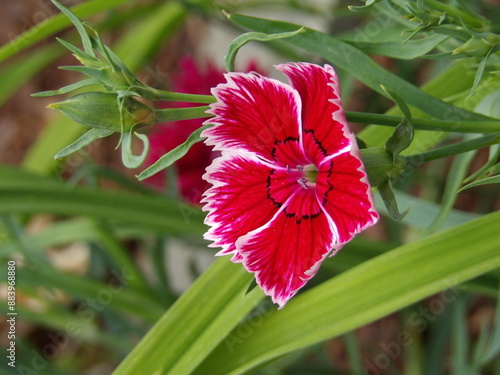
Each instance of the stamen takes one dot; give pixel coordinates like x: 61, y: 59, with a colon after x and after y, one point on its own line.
x: 300, y: 168
x: 287, y: 169
x: 303, y: 182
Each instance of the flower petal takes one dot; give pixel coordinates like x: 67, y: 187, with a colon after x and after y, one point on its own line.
x: 287, y: 251
x: 238, y: 201
x: 253, y: 113
x: 345, y: 194
x: 323, y: 120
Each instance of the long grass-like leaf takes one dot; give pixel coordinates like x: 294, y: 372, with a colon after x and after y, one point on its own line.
x: 22, y: 192
x: 359, y: 65
x: 365, y: 293
x: 195, y: 324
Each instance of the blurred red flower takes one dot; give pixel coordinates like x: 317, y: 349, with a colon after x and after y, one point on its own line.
x: 164, y: 137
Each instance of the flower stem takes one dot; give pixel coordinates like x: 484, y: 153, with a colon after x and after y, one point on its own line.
x: 175, y: 114
x: 457, y: 148
x: 155, y: 94
x: 426, y: 124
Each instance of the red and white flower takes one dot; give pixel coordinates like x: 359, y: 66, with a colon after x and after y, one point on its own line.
x: 289, y: 188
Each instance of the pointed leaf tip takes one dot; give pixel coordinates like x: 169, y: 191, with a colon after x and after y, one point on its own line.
x: 389, y: 198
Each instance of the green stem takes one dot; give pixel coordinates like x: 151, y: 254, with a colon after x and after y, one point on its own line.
x: 155, y: 94
x: 426, y: 124
x: 455, y: 149
x: 175, y: 114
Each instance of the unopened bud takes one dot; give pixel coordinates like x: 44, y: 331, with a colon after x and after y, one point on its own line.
x: 101, y: 110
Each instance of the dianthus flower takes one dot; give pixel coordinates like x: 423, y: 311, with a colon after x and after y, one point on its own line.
x: 289, y: 188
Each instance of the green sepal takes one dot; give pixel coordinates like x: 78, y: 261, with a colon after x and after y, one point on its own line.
x: 102, y: 110
x: 68, y: 88
x: 86, y: 139
x: 403, y: 134
x: 172, y: 156
x: 115, y: 62
x: 80, y: 55
x: 253, y: 284
x: 378, y: 163
x: 243, y: 39
x: 128, y: 158
x: 106, y: 77
x: 387, y: 193
x: 478, y: 45
x: 479, y: 73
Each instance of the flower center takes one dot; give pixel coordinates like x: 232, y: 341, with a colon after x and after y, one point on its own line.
x: 309, y: 175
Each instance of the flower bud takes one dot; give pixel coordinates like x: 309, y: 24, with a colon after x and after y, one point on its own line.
x: 101, y: 110
x: 380, y: 165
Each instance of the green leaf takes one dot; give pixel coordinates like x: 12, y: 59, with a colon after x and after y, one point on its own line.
x: 403, y: 135
x: 195, y: 324
x: 87, y: 44
x: 98, y: 74
x: 479, y: 73
x: 387, y: 193
x: 484, y: 181
x: 365, y: 293
x: 423, y: 211
x: 79, y: 54
x: 359, y: 65
x: 243, y: 39
x: 67, y: 89
x: 453, y: 181
x: 494, y: 344
x: 450, y: 83
x: 172, y: 156
x: 23, y: 192
x: 409, y: 50
x: 83, y: 287
x: 459, y: 339
x: 86, y: 139
x: 494, y: 154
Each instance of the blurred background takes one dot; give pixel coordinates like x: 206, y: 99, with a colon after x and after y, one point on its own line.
x: 89, y: 288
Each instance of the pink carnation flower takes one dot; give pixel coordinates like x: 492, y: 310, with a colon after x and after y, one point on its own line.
x: 289, y: 188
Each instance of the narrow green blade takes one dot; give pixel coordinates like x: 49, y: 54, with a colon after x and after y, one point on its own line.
x: 365, y: 293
